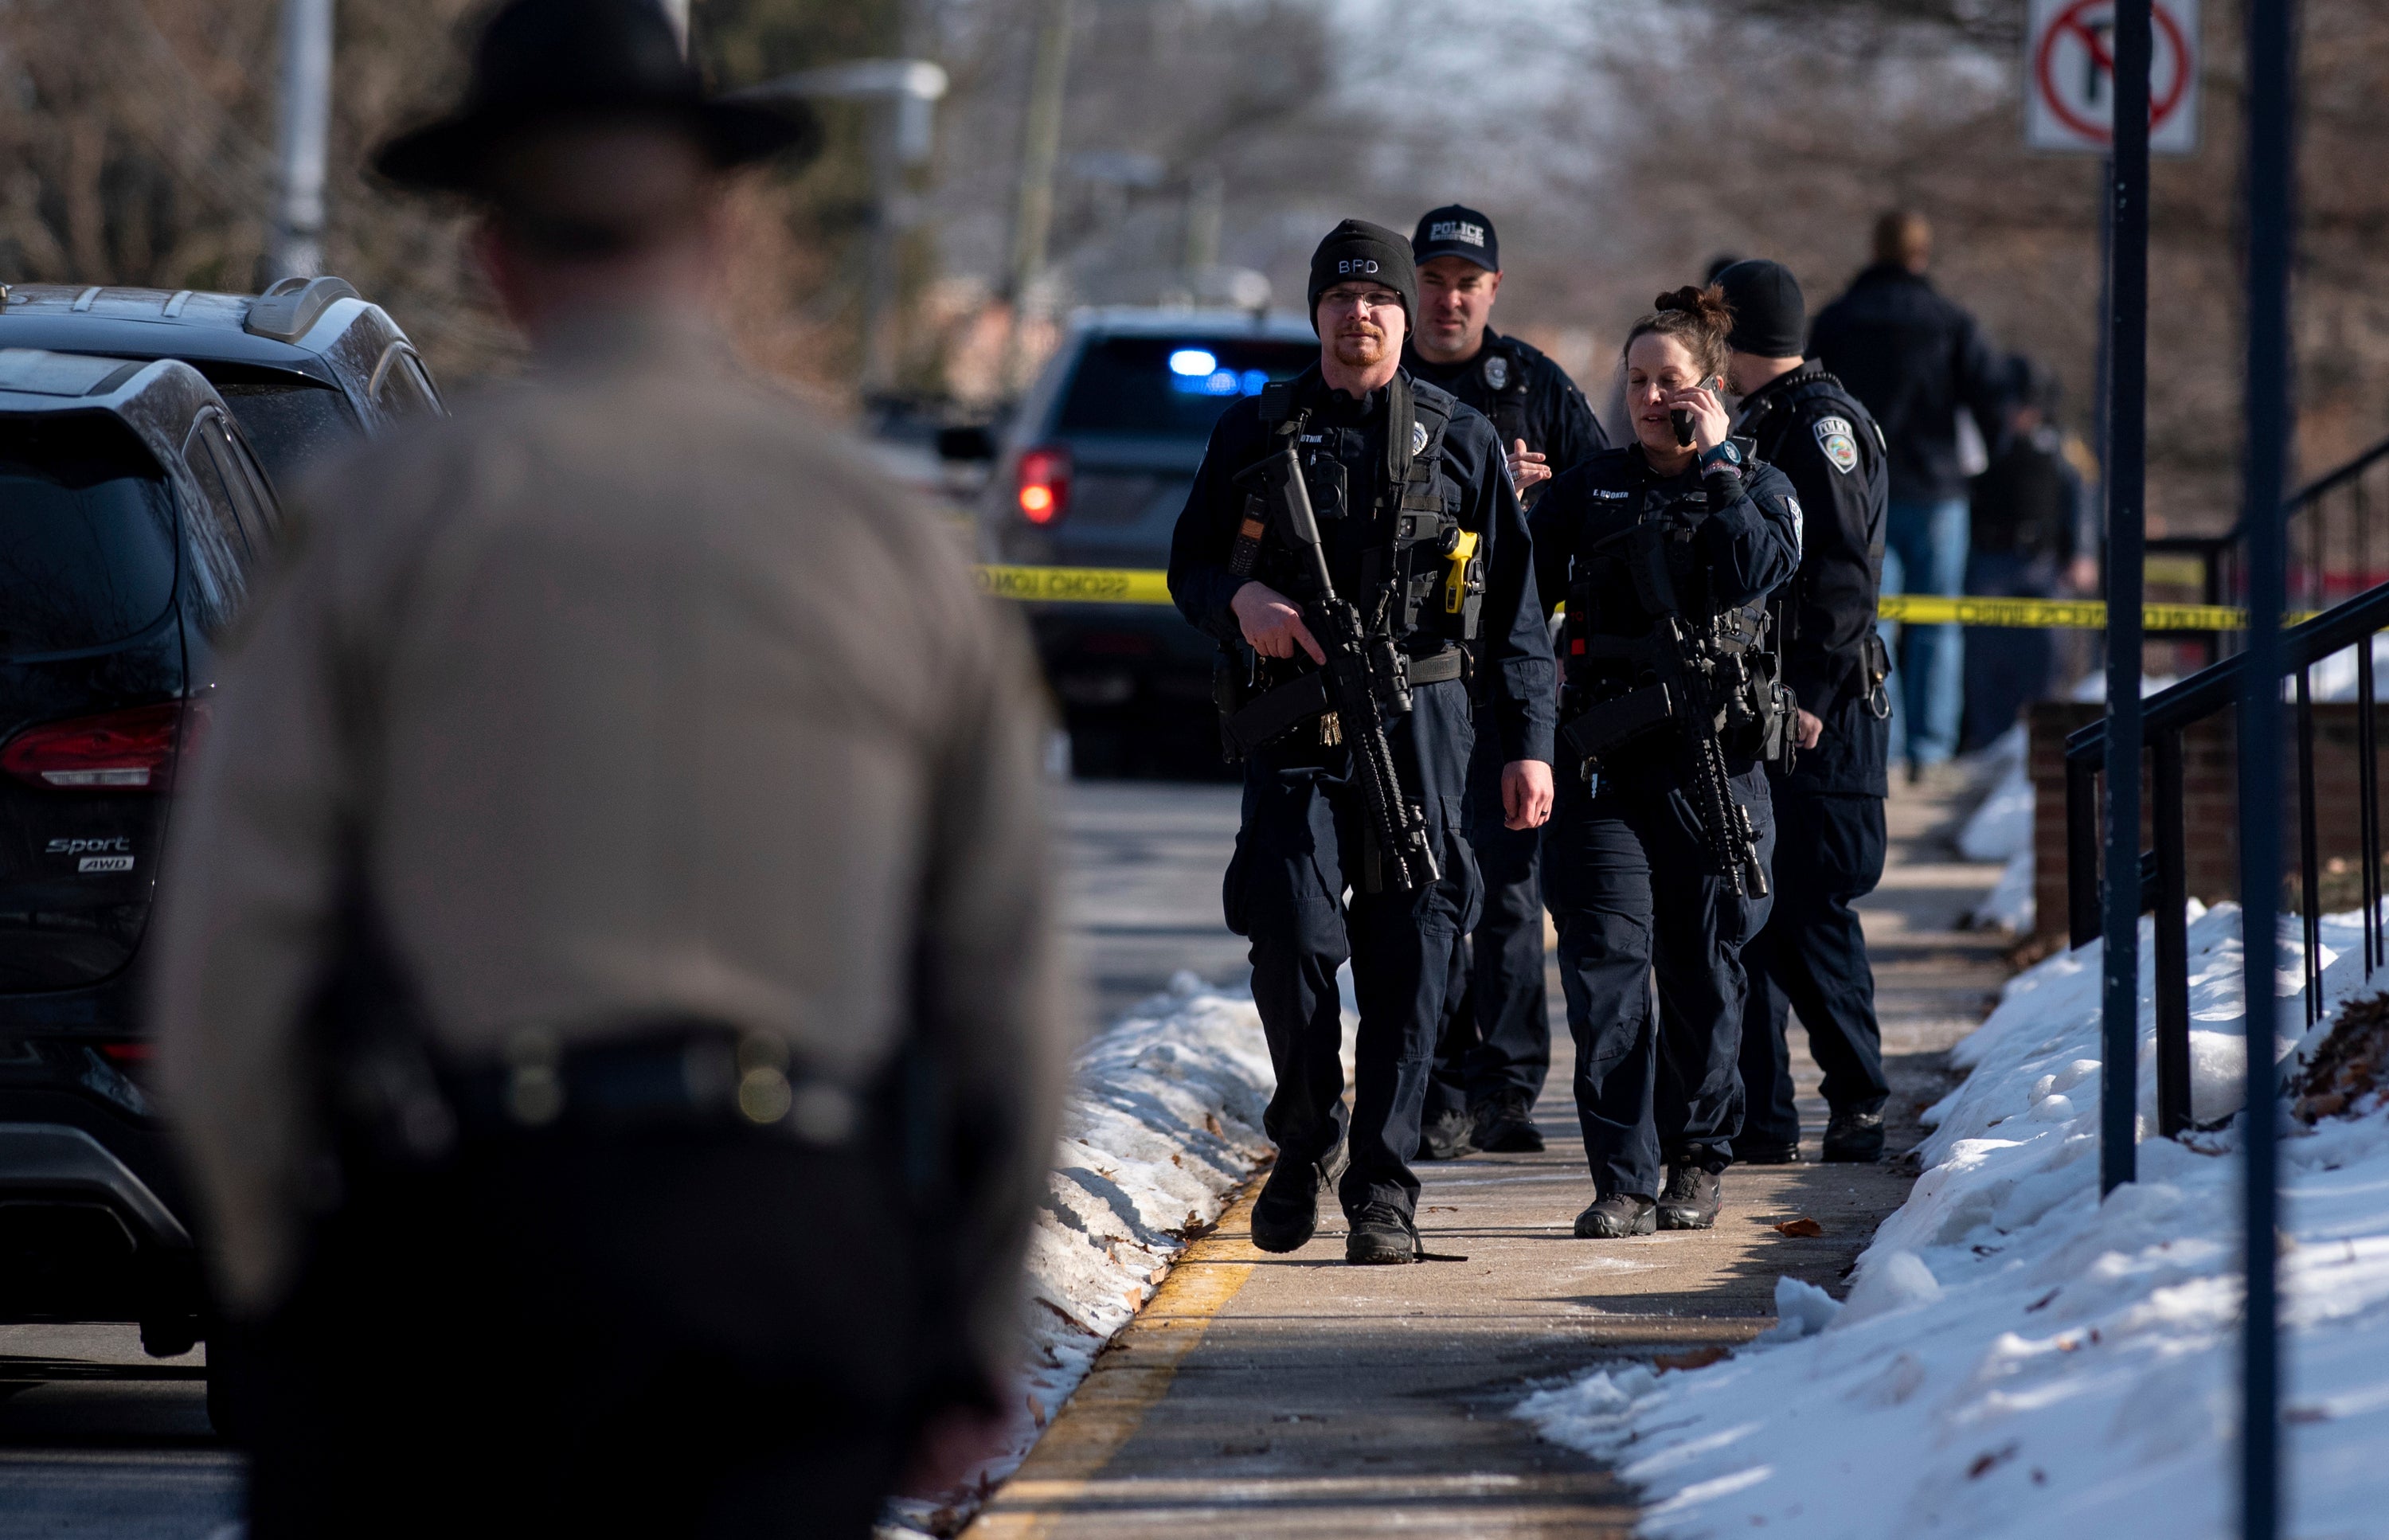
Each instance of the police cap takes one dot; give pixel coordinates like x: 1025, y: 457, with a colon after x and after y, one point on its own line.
x: 1455, y: 231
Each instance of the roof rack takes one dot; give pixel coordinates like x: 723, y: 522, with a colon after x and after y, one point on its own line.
x: 285, y: 312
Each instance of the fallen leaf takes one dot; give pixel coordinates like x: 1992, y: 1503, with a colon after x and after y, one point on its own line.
x: 1211, y: 1123
x: 1986, y: 1463
x: 1697, y: 1358
x: 1803, y: 1226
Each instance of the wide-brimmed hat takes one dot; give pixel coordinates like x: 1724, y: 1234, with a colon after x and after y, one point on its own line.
x: 542, y: 61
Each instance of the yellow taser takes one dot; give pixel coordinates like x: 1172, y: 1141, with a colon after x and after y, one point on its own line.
x: 1455, y: 587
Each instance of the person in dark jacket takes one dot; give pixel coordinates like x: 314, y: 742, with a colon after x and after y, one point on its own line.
x: 1404, y: 480
x: 2036, y: 537
x: 1496, y: 1044
x: 1829, y: 825
x: 1631, y: 873
x: 1916, y: 360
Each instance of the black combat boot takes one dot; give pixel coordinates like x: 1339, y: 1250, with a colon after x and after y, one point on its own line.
x: 1286, y: 1214
x: 1620, y: 1213
x: 1506, y: 1125
x: 1382, y: 1235
x: 1766, y: 1152
x: 1690, y: 1198
x: 1445, y: 1138
x: 1854, y: 1133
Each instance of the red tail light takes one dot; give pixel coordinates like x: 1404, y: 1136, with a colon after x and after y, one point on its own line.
x: 117, y: 751
x: 127, y: 1054
x: 1045, y: 484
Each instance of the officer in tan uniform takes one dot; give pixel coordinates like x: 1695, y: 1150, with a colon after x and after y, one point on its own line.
x: 607, y: 990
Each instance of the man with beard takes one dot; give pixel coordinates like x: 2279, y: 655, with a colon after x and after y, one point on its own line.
x: 1422, y: 534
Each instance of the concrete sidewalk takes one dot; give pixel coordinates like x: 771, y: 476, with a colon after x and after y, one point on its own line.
x: 1261, y: 1396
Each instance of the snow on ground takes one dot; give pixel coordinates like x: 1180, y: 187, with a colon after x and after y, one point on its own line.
x: 2017, y: 1359
x: 2001, y: 825
x: 1163, y: 1124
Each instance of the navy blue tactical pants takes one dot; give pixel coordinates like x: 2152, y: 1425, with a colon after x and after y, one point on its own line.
x: 1304, y: 830
x: 1812, y: 958
x: 1496, y: 1033
x: 1636, y: 897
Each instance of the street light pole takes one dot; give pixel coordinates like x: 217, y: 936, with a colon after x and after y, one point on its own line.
x: 297, y: 248
x: 1040, y: 148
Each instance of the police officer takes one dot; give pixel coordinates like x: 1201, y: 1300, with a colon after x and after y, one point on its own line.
x: 609, y: 946
x: 1666, y: 551
x: 1495, y: 1043
x: 1829, y: 832
x: 1415, y: 511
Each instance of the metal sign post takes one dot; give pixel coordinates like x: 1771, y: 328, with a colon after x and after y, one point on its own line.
x: 2271, y: 165
x: 297, y: 228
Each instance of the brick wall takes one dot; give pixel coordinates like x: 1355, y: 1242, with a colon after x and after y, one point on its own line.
x: 2210, y: 804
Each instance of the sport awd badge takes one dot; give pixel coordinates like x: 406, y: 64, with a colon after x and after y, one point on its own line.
x: 1839, y: 441
x: 112, y: 853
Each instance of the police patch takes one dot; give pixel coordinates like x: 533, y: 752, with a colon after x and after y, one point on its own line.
x: 1418, y: 437
x: 1497, y: 370
x: 1839, y: 441
x: 1799, y: 524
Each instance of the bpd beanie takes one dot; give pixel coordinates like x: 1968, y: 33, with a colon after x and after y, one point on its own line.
x: 1357, y: 249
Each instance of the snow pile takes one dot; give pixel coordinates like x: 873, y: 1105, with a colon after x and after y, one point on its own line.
x: 1163, y: 1124
x: 2017, y: 1359
x: 2000, y: 830
x: 2001, y: 827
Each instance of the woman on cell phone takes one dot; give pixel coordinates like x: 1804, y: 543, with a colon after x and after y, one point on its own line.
x: 1664, y: 551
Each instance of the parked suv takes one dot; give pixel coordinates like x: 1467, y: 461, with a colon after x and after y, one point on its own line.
x: 1095, y: 472
x: 307, y: 367
x: 132, y: 514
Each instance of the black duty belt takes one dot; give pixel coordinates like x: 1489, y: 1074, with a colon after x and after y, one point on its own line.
x: 1305, y: 696
x: 669, y: 1075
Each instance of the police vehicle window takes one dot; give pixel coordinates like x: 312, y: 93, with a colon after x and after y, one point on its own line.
x: 1171, y: 388
x: 405, y: 390
x: 86, y: 535
x: 260, y: 489
x: 200, y: 454
x: 249, y: 502
x: 292, y: 425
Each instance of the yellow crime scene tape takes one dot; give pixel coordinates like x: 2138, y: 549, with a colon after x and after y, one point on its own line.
x: 1093, y: 585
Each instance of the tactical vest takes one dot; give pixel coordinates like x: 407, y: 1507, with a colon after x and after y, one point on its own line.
x: 1407, y: 578
x: 1602, y: 665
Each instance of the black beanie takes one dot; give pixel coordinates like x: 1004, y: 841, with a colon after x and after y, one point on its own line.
x: 1357, y: 249
x: 1770, y: 317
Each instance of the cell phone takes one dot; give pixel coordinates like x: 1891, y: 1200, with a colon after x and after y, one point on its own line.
x: 1682, y: 421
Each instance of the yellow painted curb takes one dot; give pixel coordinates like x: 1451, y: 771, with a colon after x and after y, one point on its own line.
x: 1129, y: 1377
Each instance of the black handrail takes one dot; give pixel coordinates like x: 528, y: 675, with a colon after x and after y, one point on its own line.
x: 2165, y: 716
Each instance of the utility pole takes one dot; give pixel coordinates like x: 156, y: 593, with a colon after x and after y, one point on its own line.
x: 297, y: 248
x: 1040, y: 148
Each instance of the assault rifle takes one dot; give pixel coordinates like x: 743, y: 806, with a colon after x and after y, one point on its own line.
x: 1364, y: 675
x: 1697, y: 682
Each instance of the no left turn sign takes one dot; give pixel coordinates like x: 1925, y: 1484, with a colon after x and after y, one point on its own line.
x: 2070, y: 77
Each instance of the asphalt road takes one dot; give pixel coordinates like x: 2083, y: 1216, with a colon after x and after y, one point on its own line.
x: 97, y: 1438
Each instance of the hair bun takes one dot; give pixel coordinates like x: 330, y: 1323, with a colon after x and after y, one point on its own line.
x: 1705, y: 305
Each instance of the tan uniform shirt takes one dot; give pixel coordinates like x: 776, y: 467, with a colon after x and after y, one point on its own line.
x: 645, y: 695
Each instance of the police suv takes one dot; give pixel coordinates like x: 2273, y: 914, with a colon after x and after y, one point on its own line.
x: 1093, y: 474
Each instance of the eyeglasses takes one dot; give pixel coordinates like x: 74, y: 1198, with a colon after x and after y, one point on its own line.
x: 1361, y: 299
